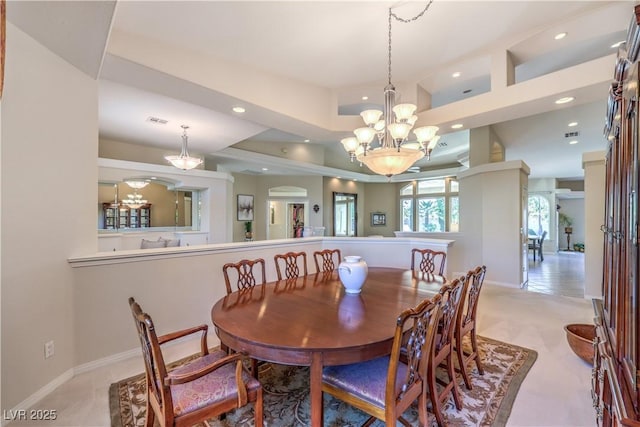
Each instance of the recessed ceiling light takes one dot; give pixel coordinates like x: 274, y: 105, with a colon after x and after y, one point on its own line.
x: 354, y: 179
x: 265, y: 169
x: 153, y: 177
x: 560, y: 36
x: 572, y: 124
x: 338, y: 177
x: 456, y: 74
x: 573, y: 142
x: 617, y: 44
x: 307, y: 140
x: 457, y: 126
x: 238, y: 110
x: 565, y: 100
x: 364, y: 98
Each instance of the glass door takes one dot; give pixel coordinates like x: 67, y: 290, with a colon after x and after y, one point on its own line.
x: 345, y: 217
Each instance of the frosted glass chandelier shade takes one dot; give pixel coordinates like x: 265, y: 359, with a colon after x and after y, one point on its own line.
x: 391, y: 161
x: 371, y: 117
x: 184, y: 161
x: 393, y: 154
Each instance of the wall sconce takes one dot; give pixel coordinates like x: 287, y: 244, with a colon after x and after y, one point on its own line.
x: 316, y: 208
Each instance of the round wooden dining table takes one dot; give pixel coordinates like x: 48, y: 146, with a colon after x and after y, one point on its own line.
x: 311, y: 321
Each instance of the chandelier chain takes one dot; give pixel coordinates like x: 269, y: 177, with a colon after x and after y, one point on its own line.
x: 418, y: 16
x: 406, y: 21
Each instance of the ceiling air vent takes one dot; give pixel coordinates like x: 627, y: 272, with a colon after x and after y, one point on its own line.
x: 571, y: 134
x: 157, y: 120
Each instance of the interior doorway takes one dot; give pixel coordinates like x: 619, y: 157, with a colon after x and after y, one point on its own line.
x: 286, y: 218
x: 287, y: 212
x: 345, y: 214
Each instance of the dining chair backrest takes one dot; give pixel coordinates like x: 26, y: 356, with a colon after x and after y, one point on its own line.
x: 397, y: 380
x: 155, y: 368
x: 243, y: 274
x: 292, y: 263
x: 451, y: 306
x: 430, y: 262
x: 452, y: 297
x: 475, y: 278
x: 466, y: 325
x: 327, y: 259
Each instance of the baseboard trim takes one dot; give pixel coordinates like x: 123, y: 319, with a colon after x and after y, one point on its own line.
x: 39, y: 395
x: 105, y: 361
x: 503, y: 284
x: 90, y: 366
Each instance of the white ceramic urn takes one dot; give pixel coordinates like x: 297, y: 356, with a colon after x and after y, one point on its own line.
x: 352, y: 272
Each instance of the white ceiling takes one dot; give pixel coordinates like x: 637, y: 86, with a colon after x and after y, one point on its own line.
x: 336, y: 48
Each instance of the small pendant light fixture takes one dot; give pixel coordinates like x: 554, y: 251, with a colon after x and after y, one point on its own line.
x: 184, y: 161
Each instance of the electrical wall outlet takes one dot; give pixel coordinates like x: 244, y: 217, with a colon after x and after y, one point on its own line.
x: 49, y: 349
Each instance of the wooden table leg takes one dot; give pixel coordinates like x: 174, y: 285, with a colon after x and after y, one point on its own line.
x: 315, y: 380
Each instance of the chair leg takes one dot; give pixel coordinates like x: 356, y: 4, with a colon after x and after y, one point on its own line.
x: 433, y: 395
x: 452, y: 380
x: 423, y: 416
x: 254, y: 368
x: 474, y: 346
x: 151, y: 416
x: 257, y: 409
x: 463, y: 365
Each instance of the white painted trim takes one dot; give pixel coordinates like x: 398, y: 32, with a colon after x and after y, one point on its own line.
x: 174, y: 174
x: 503, y: 284
x: 138, y: 255
x: 40, y: 394
x: 494, y: 167
x: 90, y: 366
x: 105, y: 361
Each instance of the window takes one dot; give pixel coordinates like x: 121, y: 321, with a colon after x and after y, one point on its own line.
x: 430, y: 205
x: 538, y: 215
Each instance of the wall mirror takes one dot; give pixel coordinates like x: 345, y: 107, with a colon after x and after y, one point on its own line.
x: 145, y: 205
x: 345, y: 214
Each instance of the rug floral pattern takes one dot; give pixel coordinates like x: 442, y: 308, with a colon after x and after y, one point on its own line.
x: 286, y: 395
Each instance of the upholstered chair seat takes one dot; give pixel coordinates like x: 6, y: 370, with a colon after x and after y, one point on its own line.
x: 211, y: 389
x: 366, y: 380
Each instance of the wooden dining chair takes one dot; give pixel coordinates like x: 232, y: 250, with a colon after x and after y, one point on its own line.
x: 243, y: 274
x: 452, y: 296
x: 385, y: 387
x: 245, y: 280
x: 327, y: 260
x: 291, y: 263
x: 210, y: 385
x: 467, y: 324
x: 430, y: 262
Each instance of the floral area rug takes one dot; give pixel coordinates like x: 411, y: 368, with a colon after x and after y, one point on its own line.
x: 286, y: 395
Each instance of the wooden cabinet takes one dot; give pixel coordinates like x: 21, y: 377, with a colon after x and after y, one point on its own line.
x: 615, y: 385
x: 118, y: 216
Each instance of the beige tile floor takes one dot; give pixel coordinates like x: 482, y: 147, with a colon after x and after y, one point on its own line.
x: 561, y: 273
x: 556, y: 392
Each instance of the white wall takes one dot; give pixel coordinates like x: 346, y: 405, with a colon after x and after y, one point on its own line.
x: 49, y: 143
x: 178, y: 286
x: 574, y: 208
x: 490, y: 219
x: 594, y: 201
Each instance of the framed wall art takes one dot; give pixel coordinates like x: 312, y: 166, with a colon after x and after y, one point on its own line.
x: 245, y: 207
x: 378, y: 218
